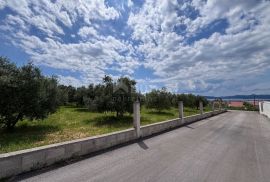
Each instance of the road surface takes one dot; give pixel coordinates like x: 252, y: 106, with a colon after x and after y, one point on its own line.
x: 234, y: 146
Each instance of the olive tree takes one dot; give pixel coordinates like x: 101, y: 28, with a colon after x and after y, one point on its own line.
x: 24, y: 93
x: 158, y: 99
x: 110, y: 96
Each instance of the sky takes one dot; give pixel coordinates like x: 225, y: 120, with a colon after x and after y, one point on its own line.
x: 207, y: 47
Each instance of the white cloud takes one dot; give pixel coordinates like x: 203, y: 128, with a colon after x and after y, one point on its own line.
x: 90, y: 57
x: 44, y: 14
x: 85, y: 32
x: 244, y: 50
x: 205, y: 65
x: 130, y: 3
x: 69, y: 80
x: 2, y: 4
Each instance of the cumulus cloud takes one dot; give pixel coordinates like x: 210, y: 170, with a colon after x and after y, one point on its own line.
x: 85, y: 32
x: 130, y: 3
x: 205, y: 64
x: 90, y: 55
x: 177, y: 40
x: 69, y: 80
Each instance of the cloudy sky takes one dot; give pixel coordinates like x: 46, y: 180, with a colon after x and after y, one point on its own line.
x: 214, y: 47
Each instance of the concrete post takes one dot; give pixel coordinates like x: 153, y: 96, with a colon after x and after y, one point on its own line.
x: 181, y: 111
x: 213, y: 106
x: 220, y: 105
x: 261, y: 107
x: 201, y: 107
x: 136, y: 118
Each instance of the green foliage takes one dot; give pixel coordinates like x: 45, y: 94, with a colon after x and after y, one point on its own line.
x: 250, y: 107
x: 24, y: 92
x: 189, y: 100
x: 66, y: 94
x: 62, y: 95
x: 109, y: 96
x: 123, y: 96
x: 201, y: 99
x: 80, y: 95
x: 71, y: 122
x: 158, y: 99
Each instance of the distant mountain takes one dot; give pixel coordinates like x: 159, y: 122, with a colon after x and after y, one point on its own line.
x: 244, y: 97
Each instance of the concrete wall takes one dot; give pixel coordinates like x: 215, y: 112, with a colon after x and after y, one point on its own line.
x: 264, y: 107
x: 26, y: 160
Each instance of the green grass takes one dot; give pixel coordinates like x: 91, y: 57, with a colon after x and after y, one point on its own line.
x: 72, y: 123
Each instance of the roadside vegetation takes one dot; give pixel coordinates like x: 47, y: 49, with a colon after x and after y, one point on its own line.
x: 36, y: 110
x: 71, y: 122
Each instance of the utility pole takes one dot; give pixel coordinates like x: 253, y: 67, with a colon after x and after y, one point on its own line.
x: 254, y: 100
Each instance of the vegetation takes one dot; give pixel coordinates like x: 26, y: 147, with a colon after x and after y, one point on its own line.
x: 158, y: 99
x: 250, y: 107
x: 24, y: 92
x: 118, y: 97
x: 71, y: 122
x: 29, y: 101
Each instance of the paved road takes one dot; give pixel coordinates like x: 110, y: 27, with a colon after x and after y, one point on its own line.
x: 234, y: 146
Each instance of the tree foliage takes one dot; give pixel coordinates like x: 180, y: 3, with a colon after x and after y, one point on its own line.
x: 189, y: 100
x: 24, y: 92
x: 158, y: 99
x: 249, y: 107
x: 109, y: 96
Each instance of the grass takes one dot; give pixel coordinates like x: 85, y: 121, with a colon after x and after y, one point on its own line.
x: 70, y: 123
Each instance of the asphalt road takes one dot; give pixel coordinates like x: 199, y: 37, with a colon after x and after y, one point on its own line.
x: 231, y: 147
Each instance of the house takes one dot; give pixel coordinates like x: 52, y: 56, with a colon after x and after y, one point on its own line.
x: 236, y: 104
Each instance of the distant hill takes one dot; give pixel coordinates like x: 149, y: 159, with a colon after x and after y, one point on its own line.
x: 240, y: 97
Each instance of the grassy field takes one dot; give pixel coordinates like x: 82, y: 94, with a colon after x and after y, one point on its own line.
x: 72, y: 123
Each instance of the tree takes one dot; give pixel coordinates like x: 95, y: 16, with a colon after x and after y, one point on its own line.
x: 201, y: 99
x: 66, y: 94
x: 62, y: 95
x: 124, y: 93
x: 158, y: 99
x: 25, y: 93
x: 249, y: 107
x: 71, y: 93
x: 109, y: 96
x: 80, y: 96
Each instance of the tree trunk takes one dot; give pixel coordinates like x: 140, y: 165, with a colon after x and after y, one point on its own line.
x: 10, y: 124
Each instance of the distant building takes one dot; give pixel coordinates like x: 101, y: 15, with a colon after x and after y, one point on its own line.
x: 235, y: 103
x: 241, y: 103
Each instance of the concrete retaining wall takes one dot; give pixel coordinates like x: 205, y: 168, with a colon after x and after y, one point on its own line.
x: 166, y: 125
x: 26, y: 160
x: 264, y: 107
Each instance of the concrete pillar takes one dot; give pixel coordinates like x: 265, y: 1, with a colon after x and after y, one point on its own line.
x: 137, y: 118
x: 261, y: 107
x: 213, y: 106
x: 201, y: 107
x: 181, y: 111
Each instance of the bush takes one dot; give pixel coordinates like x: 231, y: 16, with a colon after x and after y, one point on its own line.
x: 250, y: 107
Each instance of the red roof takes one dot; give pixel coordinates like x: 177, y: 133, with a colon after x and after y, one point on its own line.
x: 236, y: 104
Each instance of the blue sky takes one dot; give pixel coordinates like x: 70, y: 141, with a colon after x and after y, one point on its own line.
x: 214, y: 47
